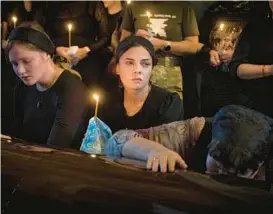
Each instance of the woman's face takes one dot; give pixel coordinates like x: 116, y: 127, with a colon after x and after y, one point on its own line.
x: 29, y: 65
x: 216, y: 168
x: 135, y: 68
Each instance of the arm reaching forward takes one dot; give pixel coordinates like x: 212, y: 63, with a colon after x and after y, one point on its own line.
x: 160, y: 146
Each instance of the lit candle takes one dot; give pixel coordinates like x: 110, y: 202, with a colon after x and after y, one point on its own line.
x: 96, y: 97
x: 14, y: 19
x: 222, y: 25
x: 150, y: 31
x: 69, y: 26
x: 148, y: 14
x: 93, y: 156
x: 128, y: 1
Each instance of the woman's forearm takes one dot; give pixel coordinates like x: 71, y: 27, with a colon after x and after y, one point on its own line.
x: 139, y: 148
x: 185, y: 47
x: 252, y: 71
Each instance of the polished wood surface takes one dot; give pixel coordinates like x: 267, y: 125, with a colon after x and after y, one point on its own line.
x: 67, y: 181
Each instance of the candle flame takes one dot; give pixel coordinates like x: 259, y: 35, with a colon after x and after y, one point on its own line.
x: 93, y: 156
x: 14, y: 19
x: 69, y: 26
x: 96, y: 97
x: 128, y: 1
x: 222, y: 25
x: 148, y: 14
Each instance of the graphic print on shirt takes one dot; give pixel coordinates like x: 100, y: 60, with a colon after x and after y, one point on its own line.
x: 157, y: 23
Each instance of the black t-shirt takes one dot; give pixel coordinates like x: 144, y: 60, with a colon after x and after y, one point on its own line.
x: 171, y: 21
x: 160, y: 107
x: 113, y: 20
x: 56, y: 115
x: 256, y: 47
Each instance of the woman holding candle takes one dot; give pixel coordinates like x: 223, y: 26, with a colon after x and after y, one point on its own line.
x: 52, y: 107
x: 89, y: 33
x: 139, y: 104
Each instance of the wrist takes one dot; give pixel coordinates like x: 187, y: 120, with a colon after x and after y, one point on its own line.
x: 267, y: 70
x: 167, y: 45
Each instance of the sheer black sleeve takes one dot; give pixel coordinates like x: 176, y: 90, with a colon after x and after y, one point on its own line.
x: 104, y: 34
x: 72, y: 108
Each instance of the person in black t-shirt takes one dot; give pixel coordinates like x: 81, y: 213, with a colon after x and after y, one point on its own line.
x: 114, y: 11
x: 140, y: 104
x: 114, y: 15
x: 54, y: 102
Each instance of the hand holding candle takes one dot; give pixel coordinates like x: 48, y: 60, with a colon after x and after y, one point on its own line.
x: 14, y: 20
x: 96, y: 97
x: 69, y: 26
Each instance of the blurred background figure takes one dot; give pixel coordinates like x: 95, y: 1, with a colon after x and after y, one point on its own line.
x: 89, y: 33
x: 253, y: 60
x: 220, y: 28
x: 114, y: 10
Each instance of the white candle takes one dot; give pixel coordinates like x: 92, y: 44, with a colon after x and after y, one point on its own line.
x: 14, y: 20
x: 96, y: 97
x: 69, y: 26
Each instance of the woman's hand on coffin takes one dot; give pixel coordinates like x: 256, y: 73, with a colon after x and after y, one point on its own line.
x: 164, y: 160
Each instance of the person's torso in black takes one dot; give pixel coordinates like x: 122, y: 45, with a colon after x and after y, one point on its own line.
x: 159, y: 107
x: 40, y: 108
